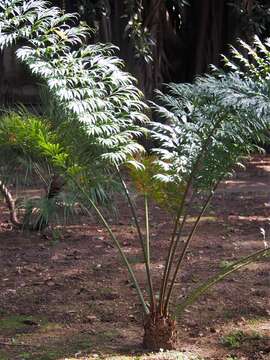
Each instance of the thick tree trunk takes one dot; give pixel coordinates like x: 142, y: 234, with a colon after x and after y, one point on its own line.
x: 159, y: 333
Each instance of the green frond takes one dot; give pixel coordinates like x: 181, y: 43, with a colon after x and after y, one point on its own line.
x: 250, y: 60
x: 86, y: 81
x: 213, y: 123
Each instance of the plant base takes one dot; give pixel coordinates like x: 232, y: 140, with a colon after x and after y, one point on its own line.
x: 159, y: 333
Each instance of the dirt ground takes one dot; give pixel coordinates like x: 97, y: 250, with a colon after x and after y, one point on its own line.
x: 66, y: 295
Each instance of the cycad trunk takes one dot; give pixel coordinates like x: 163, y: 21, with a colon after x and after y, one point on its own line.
x: 159, y: 333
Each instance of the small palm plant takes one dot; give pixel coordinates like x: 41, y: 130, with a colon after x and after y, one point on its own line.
x: 25, y: 166
x: 102, y: 107
x: 210, y: 126
x: 86, y: 83
x: 21, y: 136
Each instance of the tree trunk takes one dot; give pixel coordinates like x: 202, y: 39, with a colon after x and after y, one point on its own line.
x: 11, y: 205
x: 159, y: 333
x: 56, y: 186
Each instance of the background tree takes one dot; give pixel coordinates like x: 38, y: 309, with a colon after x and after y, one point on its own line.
x: 161, y: 41
x: 181, y: 37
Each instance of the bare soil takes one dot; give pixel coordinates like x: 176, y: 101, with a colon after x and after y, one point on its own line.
x: 65, y: 294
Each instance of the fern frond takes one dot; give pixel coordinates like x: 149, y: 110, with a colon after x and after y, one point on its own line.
x: 250, y: 60
x: 215, y: 123
x: 87, y: 81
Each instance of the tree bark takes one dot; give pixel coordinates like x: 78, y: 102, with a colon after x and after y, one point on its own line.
x: 159, y: 333
x: 56, y: 186
x: 11, y: 205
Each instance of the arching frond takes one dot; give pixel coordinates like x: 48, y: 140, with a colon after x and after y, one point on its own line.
x: 250, y: 60
x: 87, y: 81
x: 215, y: 120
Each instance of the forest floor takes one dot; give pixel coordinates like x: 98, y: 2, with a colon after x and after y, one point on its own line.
x: 65, y: 295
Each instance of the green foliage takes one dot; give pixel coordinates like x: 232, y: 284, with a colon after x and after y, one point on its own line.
x: 34, y: 147
x: 94, y: 110
x: 141, y: 18
x: 86, y: 81
x: 47, y: 151
x: 166, y: 194
x: 225, y: 264
x: 251, y: 60
x: 96, y: 116
x: 236, y: 338
x: 210, y: 126
x: 26, y: 133
x: 138, y: 32
x: 94, y: 173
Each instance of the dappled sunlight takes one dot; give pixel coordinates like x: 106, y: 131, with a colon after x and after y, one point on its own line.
x: 261, y: 266
x: 251, y: 218
x: 244, y: 186
x: 209, y: 218
x: 128, y: 224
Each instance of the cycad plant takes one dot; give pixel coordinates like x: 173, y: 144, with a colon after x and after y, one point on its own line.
x: 103, y: 109
x: 85, y: 82
x: 210, y: 126
x: 22, y: 162
x: 207, y: 128
x: 23, y: 138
